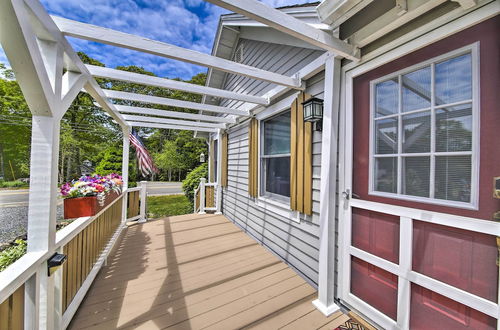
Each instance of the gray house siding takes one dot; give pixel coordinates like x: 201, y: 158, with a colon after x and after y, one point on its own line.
x: 286, y: 60
x: 296, y: 243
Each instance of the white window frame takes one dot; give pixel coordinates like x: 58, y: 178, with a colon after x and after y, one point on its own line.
x: 279, y: 206
x: 262, y: 191
x: 472, y: 49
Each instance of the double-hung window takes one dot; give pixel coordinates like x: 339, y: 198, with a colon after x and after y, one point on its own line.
x: 275, y: 156
x: 423, y: 132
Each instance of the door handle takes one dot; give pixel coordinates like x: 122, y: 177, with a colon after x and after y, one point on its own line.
x: 347, y: 194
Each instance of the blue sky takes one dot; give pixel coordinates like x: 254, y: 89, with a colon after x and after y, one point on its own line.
x: 186, y: 23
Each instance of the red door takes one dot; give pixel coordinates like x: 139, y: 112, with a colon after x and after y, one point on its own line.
x: 379, y: 284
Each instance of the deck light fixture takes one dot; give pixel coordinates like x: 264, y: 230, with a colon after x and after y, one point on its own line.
x: 313, y: 112
x: 202, y: 157
x: 56, y: 261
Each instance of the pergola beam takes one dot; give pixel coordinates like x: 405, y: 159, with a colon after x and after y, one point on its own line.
x: 91, y: 85
x: 173, y: 114
x: 137, y: 78
x: 129, y: 41
x: 176, y: 127
x: 157, y: 120
x: 171, y: 102
x: 288, y: 24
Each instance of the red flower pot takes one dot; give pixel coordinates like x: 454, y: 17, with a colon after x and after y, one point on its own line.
x: 80, y: 207
x: 86, y: 206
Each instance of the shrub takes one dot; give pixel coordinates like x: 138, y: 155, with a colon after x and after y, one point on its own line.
x: 193, y: 180
x: 11, y: 254
x: 13, y: 184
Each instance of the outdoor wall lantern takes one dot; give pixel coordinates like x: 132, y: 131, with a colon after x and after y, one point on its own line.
x: 56, y: 261
x: 202, y: 157
x: 313, y: 112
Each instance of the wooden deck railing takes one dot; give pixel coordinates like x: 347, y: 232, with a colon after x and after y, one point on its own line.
x: 84, y: 249
x: 12, y: 311
x: 205, y: 197
x: 86, y: 242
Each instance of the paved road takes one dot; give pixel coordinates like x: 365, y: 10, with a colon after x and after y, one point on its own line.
x: 164, y: 188
x: 10, y: 198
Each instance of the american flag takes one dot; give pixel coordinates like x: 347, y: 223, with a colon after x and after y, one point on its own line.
x: 146, y: 165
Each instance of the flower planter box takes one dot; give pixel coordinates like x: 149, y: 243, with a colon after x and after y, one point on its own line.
x: 85, y: 206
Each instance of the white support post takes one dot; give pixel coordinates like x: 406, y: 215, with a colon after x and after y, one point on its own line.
x: 125, y: 164
x: 42, y: 208
x: 143, y: 185
x: 326, y: 282
x: 202, y: 196
x: 218, y: 187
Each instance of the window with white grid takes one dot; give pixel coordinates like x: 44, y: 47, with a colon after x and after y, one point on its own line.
x: 423, y: 132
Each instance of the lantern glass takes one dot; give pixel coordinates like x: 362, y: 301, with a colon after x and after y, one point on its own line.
x: 313, y: 110
x: 202, y: 157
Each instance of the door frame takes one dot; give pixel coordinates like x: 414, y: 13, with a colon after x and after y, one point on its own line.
x: 407, y: 215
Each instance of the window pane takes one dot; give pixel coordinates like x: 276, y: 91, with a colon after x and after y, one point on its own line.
x: 386, y: 131
x: 417, y: 132
x: 277, y: 135
x: 277, y: 175
x: 417, y: 89
x: 453, y: 178
x: 454, y: 128
x: 386, y: 98
x: 454, y: 80
x: 386, y: 171
x: 416, y: 171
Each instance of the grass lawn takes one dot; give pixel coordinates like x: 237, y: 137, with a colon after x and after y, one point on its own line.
x: 164, y: 206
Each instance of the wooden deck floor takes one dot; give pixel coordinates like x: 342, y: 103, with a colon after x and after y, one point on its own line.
x: 197, y: 272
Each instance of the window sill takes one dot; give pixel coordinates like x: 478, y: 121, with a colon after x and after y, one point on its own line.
x: 278, y: 208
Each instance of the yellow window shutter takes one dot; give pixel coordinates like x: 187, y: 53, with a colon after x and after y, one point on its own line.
x: 211, y: 157
x: 253, y: 157
x: 224, y: 147
x: 300, y: 158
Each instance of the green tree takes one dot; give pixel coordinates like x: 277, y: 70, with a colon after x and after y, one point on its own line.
x: 15, y: 128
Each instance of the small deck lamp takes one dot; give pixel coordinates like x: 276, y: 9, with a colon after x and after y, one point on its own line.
x: 202, y: 157
x: 313, y: 112
x: 56, y: 261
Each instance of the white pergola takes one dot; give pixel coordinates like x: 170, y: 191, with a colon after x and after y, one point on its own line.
x: 51, y: 75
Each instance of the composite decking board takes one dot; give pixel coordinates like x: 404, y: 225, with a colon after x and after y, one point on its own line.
x: 220, y: 292
x: 229, y: 289
x: 284, y: 316
x: 335, y: 323
x: 196, y: 300
x: 149, y: 288
x: 207, y: 269
x: 315, y: 319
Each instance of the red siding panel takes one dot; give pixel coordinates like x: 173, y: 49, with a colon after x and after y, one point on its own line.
x: 463, y: 259
x: 376, y: 233
x: 375, y: 286
x: 430, y: 310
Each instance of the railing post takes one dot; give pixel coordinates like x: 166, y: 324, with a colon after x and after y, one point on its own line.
x: 218, y: 187
x: 194, y: 201
x: 143, y: 185
x: 202, y: 195
x: 125, y: 164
